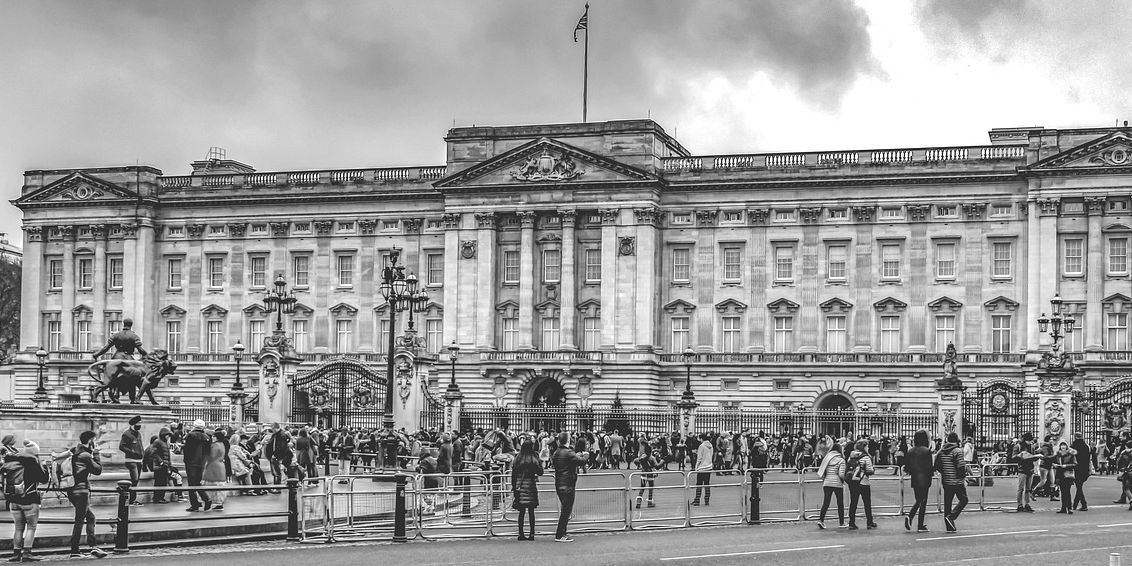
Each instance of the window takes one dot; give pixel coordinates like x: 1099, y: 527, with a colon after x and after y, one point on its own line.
x: 82, y: 335
x: 593, y: 265
x: 1002, y: 253
x: 298, y: 335
x: 434, y: 335
x: 216, y: 230
x: 682, y: 218
x: 215, y: 338
x: 551, y: 266
x: 511, y: 266
x: 945, y: 261
x: 1002, y: 209
x: 173, y: 335
x: 259, y: 271
x: 510, y: 333
x: 113, y: 326
x: 255, y: 333
x: 214, y: 382
x: 835, y: 262
x: 86, y: 273
x: 835, y: 338
x: 259, y: 228
x: 1078, y: 207
x: 382, y: 335
x: 889, y: 385
x: 345, y: 226
x: 173, y: 266
x: 216, y: 272
x: 1116, y: 331
x: 114, y: 273
x: 945, y: 211
x: 838, y: 213
x: 783, y: 215
x: 681, y: 334
x: 55, y: 273
x: 732, y: 264
x: 389, y: 224
x: 784, y: 263
x: 591, y: 333
x: 890, y: 212
x: 175, y: 231
x: 944, y: 331
x: 300, y: 270
x: 54, y: 335
x: 783, y: 333
x: 345, y: 270
x: 889, y: 334
x: 435, y: 267
x: 1000, y: 333
x: 550, y: 337
x: 733, y: 216
x: 782, y: 385
x: 1074, y: 256
x: 343, y: 336
x: 1118, y: 256
x: 681, y: 264
x: 732, y: 335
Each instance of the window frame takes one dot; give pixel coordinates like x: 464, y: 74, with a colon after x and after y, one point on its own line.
x: 995, y: 275
x: 886, y: 263
x: 262, y: 273
x: 1117, y: 333
x: 552, y: 270
x: 115, y: 279
x: 678, y: 345
x: 180, y: 272
x: 785, y: 332
x: 174, y: 336
x: 887, y: 335
x: 682, y: 268
x: 998, y: 333
x: 213, y: 274
x: 596, y: 266
x: 829, y: 262
x: 941, y: 345
x: 517, y: 267
x: 55, y: 274
x: 339, y: 259
x: 1079, y: 258
x: 731, y: 334
x: 939, y: 260
x: 438, y: 258
x: 732, y: 271
x: 783, y: 251
x: 1109, y: 256
x: 306, y: 271
x: 843, y: 333
x: 84, y: 273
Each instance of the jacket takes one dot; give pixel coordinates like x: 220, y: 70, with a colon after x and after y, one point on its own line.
x: 949, y: 462
x: 866, y: 465
x: 161, y: 455
x: 1025, y: 465
x: 131, y: 445
x: 214, y: 468
x: 918, y: 466
x: 704, y: 456
x: 444, y: 458
x: 1065, y: 462
x: 1084, y: 458
x: 304, y: 448
x: 84, y: 464
x: 196, y: 449
x: 566, y: 464
x: 524, y: 486
x: 33, y: 476
x: 834, y: 471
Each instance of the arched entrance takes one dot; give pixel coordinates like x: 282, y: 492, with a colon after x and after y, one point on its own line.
x: 835, y: 415
x: 545, y: 401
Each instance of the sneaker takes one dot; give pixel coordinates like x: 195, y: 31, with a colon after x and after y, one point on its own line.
x: 949, y: 523
x: 97, y: 552
x: 193, y: 509
x: 922, y: 529
x: 842, y: 526
x: 1062, y: 511
x: 1020, y: 509
x: 651, y: 504
x: 907, y: 523
x: 29, y: 557
x: 872, y: 526
x: 563, y: 539
x: 853, y: 527
x: 821, y: 525
x: 136, y: 503
x: 1084, y: 508
x: 78, y: 555
x: 207, y: 505
x: 17, y: 556
x: 218, y: 507
x: 1028, y: 509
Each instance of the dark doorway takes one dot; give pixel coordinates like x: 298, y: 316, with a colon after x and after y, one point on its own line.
x: 835, y: 416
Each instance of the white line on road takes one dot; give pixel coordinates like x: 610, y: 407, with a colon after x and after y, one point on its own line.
x: 753, y: 552
x: 1030, y: 555
x: 983, y: 535
x: 1114, y: 525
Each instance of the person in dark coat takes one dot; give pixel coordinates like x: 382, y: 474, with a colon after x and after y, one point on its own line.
x: 1084, y: 459
x: 918, y: 466
x: 524, y: 486
x: 566, y: 464
x: 953, y: 474
x: 196, y: 450
x: 131, y: 448
x: 1065, y: 469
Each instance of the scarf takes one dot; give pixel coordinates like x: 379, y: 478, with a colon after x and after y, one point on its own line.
x: 825, y: 463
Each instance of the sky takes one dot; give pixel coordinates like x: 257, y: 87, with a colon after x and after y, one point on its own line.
x: 302, y: 84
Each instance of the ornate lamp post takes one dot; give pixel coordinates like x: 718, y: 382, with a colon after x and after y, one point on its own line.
x: 687, y: 404
x: 453, y: 354
x: 401, y: 293
x: 689, y: 356
x: 281, y: 301
x: 1057, y: 326
x: 40, y: 397
x: 1055, y: 374
x: 238, y: 349
x: 417, y: 300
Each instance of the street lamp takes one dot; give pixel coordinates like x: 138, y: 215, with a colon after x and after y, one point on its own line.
x: 281, y: 301
x: 453, y: 354
x: 40, y: 396
x: 1058, y: 325
x: 239, y: 350
x: 401, y: 293
x: 689, y: 356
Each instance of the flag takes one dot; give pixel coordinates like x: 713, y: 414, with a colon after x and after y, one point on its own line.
x: 583, y: 23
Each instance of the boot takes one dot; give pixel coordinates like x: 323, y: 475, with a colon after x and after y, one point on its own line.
x: 28, y: 557
x: 17, y: 555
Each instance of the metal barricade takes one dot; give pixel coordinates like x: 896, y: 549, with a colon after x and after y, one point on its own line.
x: 662, y: 505
x: 362, y: 506
x: 810, y: 486
x: 314, y: 517
x: 457, y: 505
x: 600, y: 505
x: 779, y: 495
x: 728, y: 489
x: 997, y: 486
x: 887, y: 490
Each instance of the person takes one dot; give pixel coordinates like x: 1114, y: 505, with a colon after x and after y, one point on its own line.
x: 124, y: 342
x: 860, y: 467
x: 566, y: 463
x: 83, y: 461
x: 616, y: 441
x: 8, y: 446
x: 705, y: 457
x: 1024, y: 456
x: 524, y: 487
x: 832, y: 471
x: 918, y: 467
x: 22, y: 475
x: 278, y: 452
x: 428, y: 468
x: 307, y: 454
x: 131, y: 447
x: 1084, y: 457
x: 1046, y: 485
x: 345, y: 446
x: 953, y: 475
x: 1123, y: 469
x: 969, y: 450
x: 1065, y: 469
x: 196, y: 451
x: 157, y: 459
x: 240, y: 461
x: 216, y: 468
x: 648, y: 462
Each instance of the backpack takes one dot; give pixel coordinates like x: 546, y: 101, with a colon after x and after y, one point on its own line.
x: 65, y: 471
x: 14, y: 487
x: 853, y: 470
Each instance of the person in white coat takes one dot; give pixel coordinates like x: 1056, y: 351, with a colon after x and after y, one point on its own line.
x: 705, y: 455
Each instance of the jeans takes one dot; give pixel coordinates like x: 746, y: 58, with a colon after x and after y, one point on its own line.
x: 646, y: 483
x: 951, y: 492
x: 135, y: 476
x: 865, y: 492
x: 160, y: 479
x: 1079, y: 498
x: 703, y: 482
x: 1066, y: 487
x: 828, y: 493
x: 195, y: 476
x: 1024, y: 481
x: 277, y: 470
x: 921, y: 504
x: 25, y: 518
x: 565, y: 509
x: 81, y: 501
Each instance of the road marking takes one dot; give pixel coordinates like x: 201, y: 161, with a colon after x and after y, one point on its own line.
x: 752, y: 552
x: 1114, y: 525
x: 1030, y: 555
x: 984, y: 535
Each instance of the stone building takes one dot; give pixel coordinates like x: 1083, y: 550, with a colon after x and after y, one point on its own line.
x: 575, y: 262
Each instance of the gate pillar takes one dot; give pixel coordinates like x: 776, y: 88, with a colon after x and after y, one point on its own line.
x: 1055, y: 402
x: 277, y: 364
x: 949, y: 407
x: 453, y: 402
x: 409, y: 398
x: 687, y: 413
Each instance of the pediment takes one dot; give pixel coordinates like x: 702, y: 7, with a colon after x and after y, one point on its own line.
x: 945, y: 304
x: 303, y: 310
x: 837, y: 304
x: 679, y: 306
x: 590, y: 306
x: 1001, y: 303
x: 343, y: 309
x: 172, y: 311
x: 890, y: 304
x: 730, y: 305
x: 544, y: 162
x: 213, y: 310
x: 255, y: 309
x: 782, y: 305
x: 1108, y: 153
x: 78, y: 187
x: 1117, y: 298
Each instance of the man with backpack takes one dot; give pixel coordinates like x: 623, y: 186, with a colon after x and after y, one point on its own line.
x: 277, y: 450
x: 73, y: 469
x: 22, y: 473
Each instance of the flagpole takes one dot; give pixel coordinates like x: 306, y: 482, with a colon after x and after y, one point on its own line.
x: 586, y: 65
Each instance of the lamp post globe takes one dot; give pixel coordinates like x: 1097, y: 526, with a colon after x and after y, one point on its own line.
x: 689, y: 356
x: 238, y: 349
x: 40, y: 396
x: 453, y: 354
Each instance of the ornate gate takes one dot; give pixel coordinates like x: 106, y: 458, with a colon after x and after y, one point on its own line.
x: 999, y: 410
x: 339, y: 392
x: 251, y: 408
x: 1104, y: 411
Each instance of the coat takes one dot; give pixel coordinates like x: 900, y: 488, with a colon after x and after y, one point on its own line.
x: 949, y: 462
x: 524, y: 486
x: 1064, y: 463
x: 196, y: 449
x: 865, y: 462
x: 834, y: 472
x: 918, y: 465
x: 214, y: 468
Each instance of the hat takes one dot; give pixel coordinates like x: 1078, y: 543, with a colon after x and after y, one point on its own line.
x: 164, y: 432
x: 30, y: 448
x: 198, y: 424
x: 135, y: 420
x: 9, y: 439
x: 87, y: 436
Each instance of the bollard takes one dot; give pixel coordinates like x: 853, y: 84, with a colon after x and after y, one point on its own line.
x: 122, y: 532
x: 293, y: 510
x: 754, y: 519
x: 1114, y: 559
x: 326, y: 464
x: 400, y: 511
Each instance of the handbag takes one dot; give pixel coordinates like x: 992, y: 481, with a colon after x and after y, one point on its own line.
x: 1069, y: 474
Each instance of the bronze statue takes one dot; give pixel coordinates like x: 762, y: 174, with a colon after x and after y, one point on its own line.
x: 130, y: 376
x: 950, y: 377
x: 124, y: 342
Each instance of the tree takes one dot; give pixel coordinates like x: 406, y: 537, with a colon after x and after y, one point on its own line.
x: 618, y: 419
x: 9, y: 309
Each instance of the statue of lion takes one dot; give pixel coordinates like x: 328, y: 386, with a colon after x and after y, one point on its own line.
x: 130, y: 376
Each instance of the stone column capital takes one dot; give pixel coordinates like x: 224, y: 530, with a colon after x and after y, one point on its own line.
x: 526, y: 218
x: 486, y: 220
x: 569, y: 217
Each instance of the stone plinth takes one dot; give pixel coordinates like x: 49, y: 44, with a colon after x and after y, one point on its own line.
x: 56, y: 430
x: 949, y: 410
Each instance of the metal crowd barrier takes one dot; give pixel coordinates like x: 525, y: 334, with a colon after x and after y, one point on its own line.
x: 364, y: 506
x: 456, y: 505
x: 729, y: 488
x: 667, y: 496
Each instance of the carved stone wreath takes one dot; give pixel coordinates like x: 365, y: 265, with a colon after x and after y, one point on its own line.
x: 626, y: 245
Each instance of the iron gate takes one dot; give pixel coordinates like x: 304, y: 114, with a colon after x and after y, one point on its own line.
x: 339, y: 392
x: 251, y: 408
x: 999, y: 410
x: 1103, y: 412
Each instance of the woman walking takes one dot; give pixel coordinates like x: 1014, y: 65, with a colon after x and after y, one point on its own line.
x: 831, y: 471
x: 1064, y: 467
x: 860, y: 467
x: 217, y: 469
x: 918, y: 466
x: 524, y: 486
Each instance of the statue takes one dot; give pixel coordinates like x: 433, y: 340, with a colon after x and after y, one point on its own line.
x: 950, y: 379
x: 130, y: 376
x: 1056, y: 359
x: 124, y: 342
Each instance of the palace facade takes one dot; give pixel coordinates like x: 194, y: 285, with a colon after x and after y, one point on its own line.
x: 575, y: 262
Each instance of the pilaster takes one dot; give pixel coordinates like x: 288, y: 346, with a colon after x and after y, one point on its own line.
x: 70, y: 288
x: 101, y: 286
x: 1094, y: 277
x: 526, y: 279
x: 452, y: 292
x: 31, y: 290
x: 609, y: 219
x: 1046, y: 256
x: 645, y: 317
x: 568, y: 313
x: 486, y: 283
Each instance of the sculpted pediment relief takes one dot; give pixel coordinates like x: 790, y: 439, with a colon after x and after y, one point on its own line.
x: 544, y: 161
x: 78, y: 187
x: 1111, y: 151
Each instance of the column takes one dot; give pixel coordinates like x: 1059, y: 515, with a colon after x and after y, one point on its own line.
x: 486, y: 283
x: 451, y: 297
x: 527, y: 280
x: 609, y: 277
x: 921, y: 278
x: 31, y: 290
x: 567, y: 311
x: 1033, y: 276
x: 1048, y: 252
x: 1055, y: 403
x: 703, y: 277
x: 101, y: 284
x: 1094, y: 277
x: 145, y: 298
x: 70, y: 287
x: 645, y: 317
